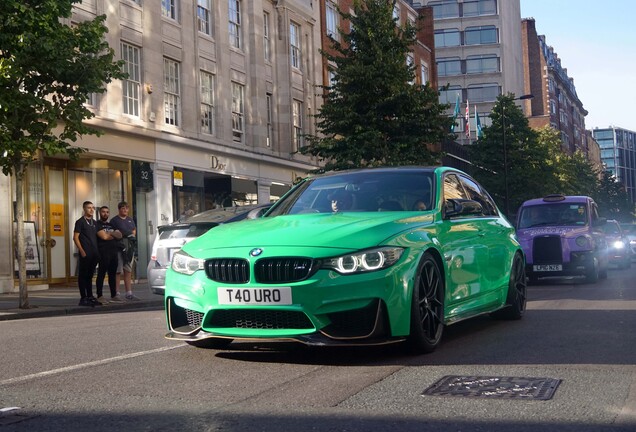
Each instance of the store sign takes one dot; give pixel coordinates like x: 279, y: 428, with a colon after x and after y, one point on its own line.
x: 142, y: 176
x: 177, y: 178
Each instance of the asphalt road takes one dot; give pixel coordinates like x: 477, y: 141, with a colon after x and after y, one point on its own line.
x: 116, y: 372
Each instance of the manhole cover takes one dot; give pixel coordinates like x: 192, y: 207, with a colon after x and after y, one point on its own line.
x: 494, y: 387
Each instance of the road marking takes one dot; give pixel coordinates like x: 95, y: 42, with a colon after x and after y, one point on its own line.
x: 86, y: 365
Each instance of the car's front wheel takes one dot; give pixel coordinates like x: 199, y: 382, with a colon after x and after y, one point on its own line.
x: 427, y: 307
x: 211, y: 343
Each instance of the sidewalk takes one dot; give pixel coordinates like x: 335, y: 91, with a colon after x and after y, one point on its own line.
x: 63, y: 300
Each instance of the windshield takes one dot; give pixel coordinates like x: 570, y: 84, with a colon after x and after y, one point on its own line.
x: 366, y: 191
x: 611, y: 228
x: 554, y: 214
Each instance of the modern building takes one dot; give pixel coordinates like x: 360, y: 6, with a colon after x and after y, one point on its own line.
x: 213, y: 112
x: 618, y: 154
x: 478, y: 54
x: 555, y: 102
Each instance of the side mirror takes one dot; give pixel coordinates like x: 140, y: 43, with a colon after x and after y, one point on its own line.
x: 256, y: 213
x: 462, y: 207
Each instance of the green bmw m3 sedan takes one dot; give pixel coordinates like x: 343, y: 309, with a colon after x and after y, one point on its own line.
x: 361, y: 257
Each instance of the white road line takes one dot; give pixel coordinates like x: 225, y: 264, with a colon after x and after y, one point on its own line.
x: 85, y: 365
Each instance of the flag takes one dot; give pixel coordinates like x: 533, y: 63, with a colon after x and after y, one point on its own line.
x: 467, y: 118
x: 456, y: 113
x: 477, y: 123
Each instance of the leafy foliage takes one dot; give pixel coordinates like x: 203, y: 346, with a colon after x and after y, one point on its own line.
x: 372, y: 114
x: 47, y: 72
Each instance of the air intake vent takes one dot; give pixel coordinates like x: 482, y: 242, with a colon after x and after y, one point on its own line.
x: 547, y: 250
x: 282, y: 270
x: 228, y: 270
x: 259, y: 319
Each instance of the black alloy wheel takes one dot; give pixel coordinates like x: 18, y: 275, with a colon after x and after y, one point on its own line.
x: 517, y: 292
x: 427, y: 307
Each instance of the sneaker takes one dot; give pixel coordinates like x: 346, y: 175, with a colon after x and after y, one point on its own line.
x: 85, y: 301
x: 131, y: 297
x: 102, y: 300
x: 117, y: 299
x: 94, y: 301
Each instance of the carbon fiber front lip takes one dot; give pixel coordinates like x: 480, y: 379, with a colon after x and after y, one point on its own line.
x: 316, y: 339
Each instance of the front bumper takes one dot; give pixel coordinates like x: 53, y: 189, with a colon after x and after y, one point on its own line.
x: 579, y: 265
x: 156, y: 278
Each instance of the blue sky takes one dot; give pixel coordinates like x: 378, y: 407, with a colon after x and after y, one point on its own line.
x: 596, y: 42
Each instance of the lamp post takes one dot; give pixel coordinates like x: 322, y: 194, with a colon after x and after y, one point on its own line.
x: 505, y: 150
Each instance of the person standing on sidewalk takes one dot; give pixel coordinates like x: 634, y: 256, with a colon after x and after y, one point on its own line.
x: 124, y: 224
x: 85, y: 238
x: 108, y: 246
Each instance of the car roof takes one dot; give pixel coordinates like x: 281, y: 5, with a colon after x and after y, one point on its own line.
x: 557, y: 198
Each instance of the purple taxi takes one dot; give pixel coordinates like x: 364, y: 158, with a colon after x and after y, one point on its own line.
x: 562, y: 236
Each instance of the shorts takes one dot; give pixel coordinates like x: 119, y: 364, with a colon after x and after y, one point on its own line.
x: 127, y: 267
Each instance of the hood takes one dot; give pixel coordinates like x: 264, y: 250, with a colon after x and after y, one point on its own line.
x: 351, y: 231
x: 565, y: 231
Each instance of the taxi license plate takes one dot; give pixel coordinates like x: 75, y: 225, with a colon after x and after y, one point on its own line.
x: 254, y: 296
x: 548, y: 267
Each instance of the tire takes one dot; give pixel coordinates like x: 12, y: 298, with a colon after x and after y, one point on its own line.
x: 211, y: 343
x: 427, y: 307
x: 517, y: 292
x: 592, y: 273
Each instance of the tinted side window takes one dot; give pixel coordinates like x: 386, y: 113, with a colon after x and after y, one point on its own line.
x: 475, y: 193
x: 452, y: 190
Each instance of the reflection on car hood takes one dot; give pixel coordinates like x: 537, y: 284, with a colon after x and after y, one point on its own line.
x: 333, y: 230
x: 543, y: 230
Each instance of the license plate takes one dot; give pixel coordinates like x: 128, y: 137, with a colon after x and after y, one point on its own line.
x: 254, y: 296
x: 548, y: 267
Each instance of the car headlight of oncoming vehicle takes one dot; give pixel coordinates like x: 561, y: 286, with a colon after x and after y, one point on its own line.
x: 618, y: 244
x: 185, y: 264
x: 364, y: 261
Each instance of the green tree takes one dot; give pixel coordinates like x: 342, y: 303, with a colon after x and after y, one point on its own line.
x: 47, y: 72
x: 612, y: 199
x: 373, y: 114
x: 530, y: 171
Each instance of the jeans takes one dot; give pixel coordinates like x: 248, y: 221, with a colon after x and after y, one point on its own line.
x: 85, y: 274
x: 107, y: 265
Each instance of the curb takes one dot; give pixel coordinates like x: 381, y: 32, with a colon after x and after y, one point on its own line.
x: 51, y: 311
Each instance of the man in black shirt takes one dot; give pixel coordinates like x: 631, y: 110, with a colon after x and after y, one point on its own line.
x: 108, y: 245
x: 85, y: 238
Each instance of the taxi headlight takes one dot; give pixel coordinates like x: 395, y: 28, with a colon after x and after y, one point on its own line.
x: 582, y: 241
x: 185, y: 264
x: 618, y: 244
x: 364, y: 261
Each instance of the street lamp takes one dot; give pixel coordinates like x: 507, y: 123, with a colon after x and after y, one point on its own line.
x: 505, y: 149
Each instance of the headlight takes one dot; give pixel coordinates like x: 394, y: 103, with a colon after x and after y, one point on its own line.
x: 185, y: 264
x: 618, y: 244
x: 364, y: 261
x: 582, y: 241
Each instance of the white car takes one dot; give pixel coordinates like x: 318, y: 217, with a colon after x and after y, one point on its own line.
x: 170, y: 238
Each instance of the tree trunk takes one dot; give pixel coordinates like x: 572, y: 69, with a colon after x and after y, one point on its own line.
x: 22, y: 274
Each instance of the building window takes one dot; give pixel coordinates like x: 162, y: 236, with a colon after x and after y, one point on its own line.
x: 449, y: 96
x: 297, y: 114
x: 479, y: 7
x: 482, y: 92
x: 169, y: 9
x: 396, y: 13
x: 480, y: 35
x: 270, y: 127
x: 332, y: 19
x: 423, y: 73
x: 331, y: 76
x: 238, y: 111
x: 207, y: 103
x: 482, y: 63
x: 266, y: 41
x: 445, y: 9
x: 449, y: 66
x: 171, y: 92
x: 294, y: 42
x: 235, y: 23
x: 447, y: 38
x: 203, y: 17
x: 131, y: 86
x: 410, y: 63
x: 553, y: 107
